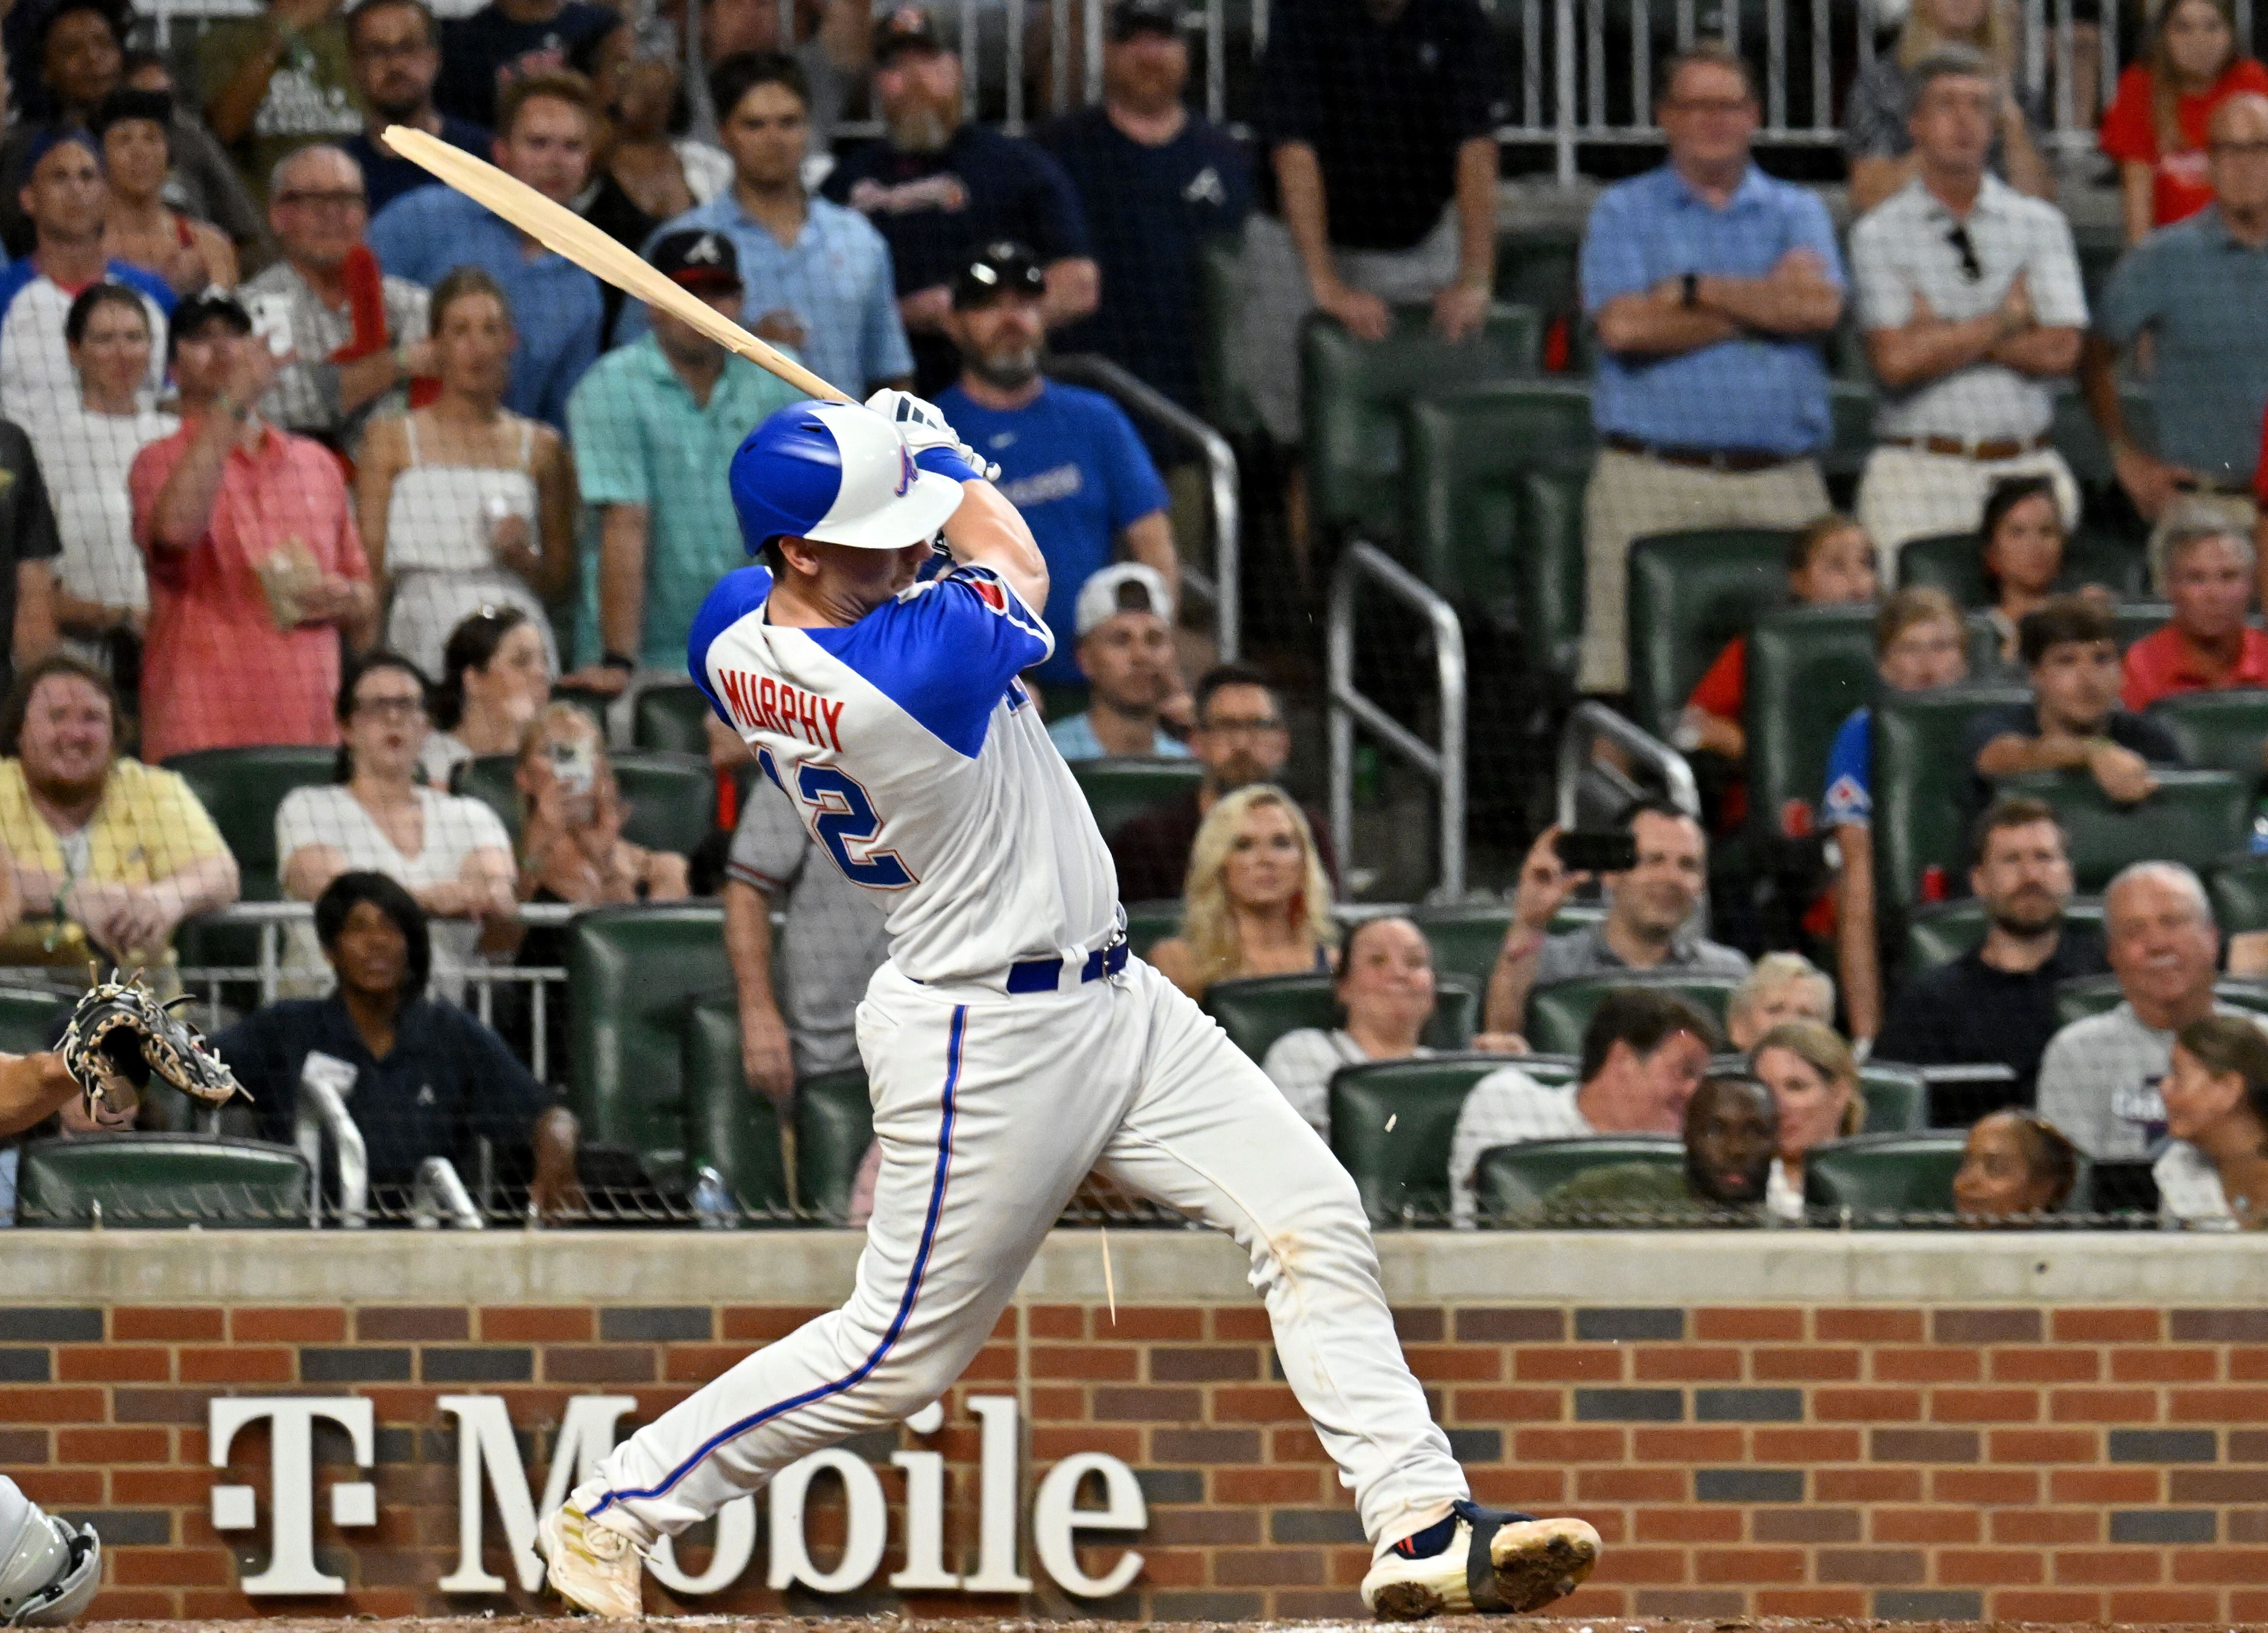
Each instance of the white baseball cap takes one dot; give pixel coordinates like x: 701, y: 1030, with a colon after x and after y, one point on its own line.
x: 1122, y: 587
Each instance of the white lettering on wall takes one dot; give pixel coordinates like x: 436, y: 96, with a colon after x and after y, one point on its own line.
x: 488, y: 1465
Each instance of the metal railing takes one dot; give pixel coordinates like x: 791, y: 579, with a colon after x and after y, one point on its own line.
x: 1581, y: 71
x: 1601, y: 786
x: 1443, y: 765
x: 1219, y: 589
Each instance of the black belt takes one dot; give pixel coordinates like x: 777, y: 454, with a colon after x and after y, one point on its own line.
x: 1045, y: 974
x: 1729, y: 461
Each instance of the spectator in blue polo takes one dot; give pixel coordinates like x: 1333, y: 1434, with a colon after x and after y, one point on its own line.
x: 653, y: 426
x: 1714, y: 288
x: 543, y: 137
x: 939, y: 188
x: 1070, y: 460
x: 817, y: 275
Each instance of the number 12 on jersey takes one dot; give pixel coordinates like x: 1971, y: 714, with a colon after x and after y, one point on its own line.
x: 839, y: 814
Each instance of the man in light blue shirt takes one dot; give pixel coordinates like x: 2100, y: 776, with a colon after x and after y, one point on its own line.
x: 654, y: 424
x: 544, y: 139
x: 818, y: 275
x: 1125, y: 616
x: 1714, y: 288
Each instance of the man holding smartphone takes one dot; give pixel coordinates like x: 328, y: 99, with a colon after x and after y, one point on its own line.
x: 1650, y: 903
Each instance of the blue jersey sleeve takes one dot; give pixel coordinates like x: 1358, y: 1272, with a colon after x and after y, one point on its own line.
x: 947, y: 650
x: 737, y: 594
x: 1849, y: 797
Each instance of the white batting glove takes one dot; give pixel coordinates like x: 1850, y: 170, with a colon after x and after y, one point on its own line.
x: 927, y: 432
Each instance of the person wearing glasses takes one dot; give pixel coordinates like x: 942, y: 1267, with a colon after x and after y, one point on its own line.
x: 1241, y: 739
x: 450, y: 853
x: 2199, y: 290
x: 255, y: 569
x: 351, y: 337
x: 1970, y: 299
x: 394, y: 47
x: 1714, y: 288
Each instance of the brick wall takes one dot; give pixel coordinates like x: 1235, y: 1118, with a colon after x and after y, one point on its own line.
x: 2009, y: 1462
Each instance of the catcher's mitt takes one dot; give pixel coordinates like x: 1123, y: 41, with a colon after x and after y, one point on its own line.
x: 120, y: 1036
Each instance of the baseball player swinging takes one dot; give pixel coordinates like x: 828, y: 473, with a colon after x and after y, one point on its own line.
x: 1011, y: 1042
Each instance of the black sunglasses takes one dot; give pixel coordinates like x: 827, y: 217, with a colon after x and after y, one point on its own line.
x: 1971, y: 268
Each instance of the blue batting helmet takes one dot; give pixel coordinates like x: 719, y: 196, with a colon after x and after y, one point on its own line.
x: 837, y: 473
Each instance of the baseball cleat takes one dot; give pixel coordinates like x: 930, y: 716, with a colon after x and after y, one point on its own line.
x: 1494, y: 1561
x: 590, y: 1567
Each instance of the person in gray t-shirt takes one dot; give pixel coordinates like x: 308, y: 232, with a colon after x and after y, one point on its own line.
x: 797, y: 1009
x: 2099, y: 1078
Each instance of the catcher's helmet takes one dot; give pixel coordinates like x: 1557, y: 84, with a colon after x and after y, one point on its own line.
x: 48, y: 1569
x: 836, y: 473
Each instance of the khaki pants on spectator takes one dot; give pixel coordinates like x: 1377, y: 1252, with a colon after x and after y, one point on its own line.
x: 2236, y: 509
x: 1632, y: 495
x: 1277, y: 300
x: 1909, y: 493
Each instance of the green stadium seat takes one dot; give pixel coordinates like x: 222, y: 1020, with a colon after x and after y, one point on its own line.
x: 1150, y: 922
x: 1257, y: 1009
x: 1403, y: 1171
x: 1550, y: 563
x: 1897, y: 1098
x: 1809, y: 668
x: 2218, y: 731
x: 670, y: 799
x: 1468, y: 451
x: 1917, y: 738
x: 30, y: 1019
x: 834, y: 1126
x: 673, y: 717
x: 633, y: 976
x: 1557, y: 1013
x: 1465, y: 939
x: 2078, y: 440
x: 1540, y: 268
x: 2092, y: 995
x: 1690, y: 594
x: 729, y: 1127
x: 149, y: 1181
x: 2239, y: 889
x: 1885, y: 1174
x: 1227, y: 406
x: 1953, y: 564
x: 1117, y: 789
x: 1352, y: 393
x: 1852, y: 403
x: 2195, y: 817
x: 1513, y: 1181
x: 1942, y: 932
x: 241, y: 789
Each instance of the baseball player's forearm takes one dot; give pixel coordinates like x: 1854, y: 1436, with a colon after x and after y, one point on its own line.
x: 987, y: 531
x: 33, y: 1087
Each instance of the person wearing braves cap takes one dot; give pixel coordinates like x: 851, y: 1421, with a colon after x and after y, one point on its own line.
x: 1012, y: 1041
x: 651, y: 424
x: 937, y: 186
x: 1070, y: 459
x: 1159, y: 182
x: 1125, y: 616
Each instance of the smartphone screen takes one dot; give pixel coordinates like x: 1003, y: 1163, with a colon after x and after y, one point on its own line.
x: 1596, y: 850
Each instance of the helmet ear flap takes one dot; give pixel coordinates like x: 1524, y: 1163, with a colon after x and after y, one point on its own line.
x: 50, y: 1570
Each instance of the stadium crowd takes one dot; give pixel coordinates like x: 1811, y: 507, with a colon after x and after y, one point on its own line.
x: 352, y: 539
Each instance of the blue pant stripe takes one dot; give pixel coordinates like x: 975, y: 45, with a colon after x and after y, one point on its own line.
x: 897, y: 1323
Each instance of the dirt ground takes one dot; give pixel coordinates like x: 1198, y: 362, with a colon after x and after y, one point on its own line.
x: 1447, y: 1625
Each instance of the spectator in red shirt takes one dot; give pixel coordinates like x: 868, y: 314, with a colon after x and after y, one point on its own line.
x: 1831, y: 562
x: 254, y: 565
x: 2156, y: 125
x: 2206, y: 573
